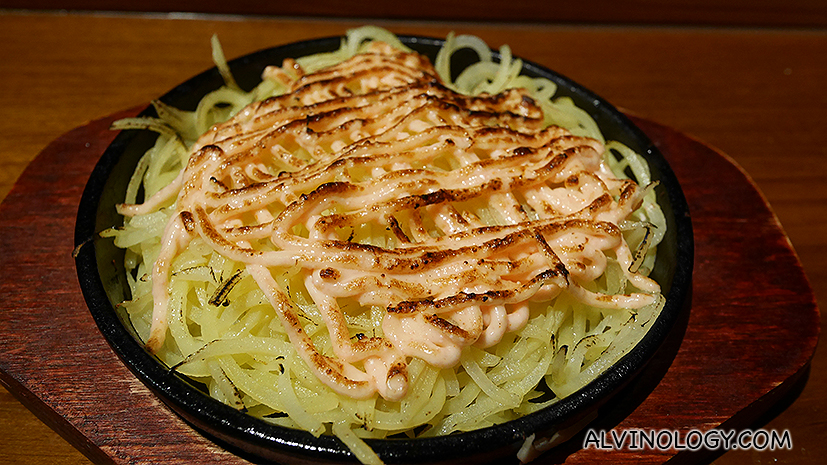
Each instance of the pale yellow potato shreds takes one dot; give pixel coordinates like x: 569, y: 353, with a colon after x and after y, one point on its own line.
x: 264, y: 277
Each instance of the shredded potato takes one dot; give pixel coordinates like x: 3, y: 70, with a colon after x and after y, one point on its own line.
x: 285, y: 261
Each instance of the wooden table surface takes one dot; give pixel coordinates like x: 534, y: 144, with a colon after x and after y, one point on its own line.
x: 756, y: 94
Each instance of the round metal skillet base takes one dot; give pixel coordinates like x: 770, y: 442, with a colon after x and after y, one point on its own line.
x: 103, y: 286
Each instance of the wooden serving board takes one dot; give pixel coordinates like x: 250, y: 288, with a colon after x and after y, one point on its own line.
x: 746, y: 343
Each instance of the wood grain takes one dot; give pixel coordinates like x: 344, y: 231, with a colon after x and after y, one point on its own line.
x: 752, y: 13
x: 756, y: 94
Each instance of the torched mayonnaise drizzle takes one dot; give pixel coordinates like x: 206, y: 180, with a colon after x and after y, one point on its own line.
x: 377, y: 140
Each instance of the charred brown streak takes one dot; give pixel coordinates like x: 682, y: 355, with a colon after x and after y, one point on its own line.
x: 188, y: 221
x: 491, y: 297
x: 329, y: 274
x: 393, y: 224
x: 411, y: 202
x: 446, y: 326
